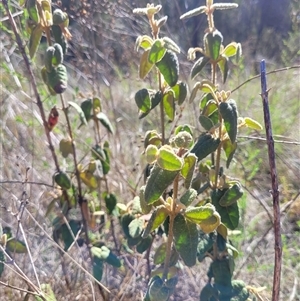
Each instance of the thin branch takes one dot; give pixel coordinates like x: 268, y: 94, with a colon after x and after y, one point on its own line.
x: 32, y: 81
x: 270, y: 72
x: 27, y: 182
x: 19, y: 289
x: 264, y: 139
x: 67, y: 254
x: 275, y: 191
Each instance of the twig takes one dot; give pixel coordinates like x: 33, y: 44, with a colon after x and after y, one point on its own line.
x: 275, y: 191
x: 32, y: 81
x: 270, y: 72
x: 67, y: 254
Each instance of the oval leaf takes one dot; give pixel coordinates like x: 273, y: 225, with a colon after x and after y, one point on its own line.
x: 199, y: 65
x: 145, y: 65
x: 169, y: 104
x: 229, y: 113
x: 142, y: 100
x: 169, y: 68
x: 231, y: 195
x: 252, y: 124
x: 105, y: 122
x: 157, y: 183
x: 185, y: 239
x: 168, y: 160
x: 180, y: 92
x: 156, y: 52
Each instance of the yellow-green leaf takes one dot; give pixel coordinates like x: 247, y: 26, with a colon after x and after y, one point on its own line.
x: 145, y: 65
x: 35, y: 39
x: 253, y: 124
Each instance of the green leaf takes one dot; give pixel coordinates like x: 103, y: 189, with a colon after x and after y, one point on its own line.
x: 142, y: 100
x: 229, y: 113
x: 199, y: 65
x: 102, y: 252
x: 185, y: 239
x: 57, y: 80
x: 97, y: 268
x: 160, y: 254
x: 168, y: 160
x: 170, y: 44
x: 231, y: 195
x: 223, y: 65
x: 110, y: 202
x: 188, y: 197
x: 14, y: 245
x: 210, y: 107
x: 206, y: 122
x: 143, y: 41
x: 184, y: 128
x: 188, y: 169
x: 199, y: 214
x: 158, y: 292
x: 126, y: 219
x: 86, y: 107
x: 144, y: 206
x: 145, y: 66
x: 229, y: 150
x: 66, y: 236
x: 157, y: 218
x: 65, y: 147
x: 213, y: 41
x: 35, y: 39
x: 151, y: 153
x: 169, y: 68
x: 47, y: 292
x: 206, y: 242
x: 144, y: 244
x: 79, y: 111
x: 180, y: 92
x: 205, y: 145
x: 169, y: 104
x: 157, y: 52
x: 105, y: 121
x: 157, y: 183
x: 230, y: 214
x: 136, y: 227
x: 113, y: 260
x: 102, y: 154
x: 63, y: 180
x: 230, y: 49
x: 252, y: 124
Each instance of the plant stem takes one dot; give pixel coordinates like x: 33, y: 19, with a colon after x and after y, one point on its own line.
x: 171, y: 225
x: 275, y: 191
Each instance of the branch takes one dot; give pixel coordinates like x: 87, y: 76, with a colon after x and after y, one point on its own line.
x: 275, y: 192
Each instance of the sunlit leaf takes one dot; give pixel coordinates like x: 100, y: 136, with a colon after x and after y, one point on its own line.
x: 145, y: 65
x: 199, y: 65
x: 157, y: 183
x: 89, y: 179
x: 230, y: 49
x: 180, y: 92
x: 223, y: 65
x: 188, y: 169
x: 213, y: 41
x: 105, y: 121
x: 79, y: 111
x: 35, y: 39
x: 14, y: 245
x: 252, y: 124
x: 206, y: 122
x: 157, y: 52
x: 188, y: 197
x: 136, y: 227
x: 65, y: 147
x: 170, y: 44
x: 229, y: 149
x: 169, y: 68
x: 168, y: 160
x: 231, y: 195
x: 169, y: 104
